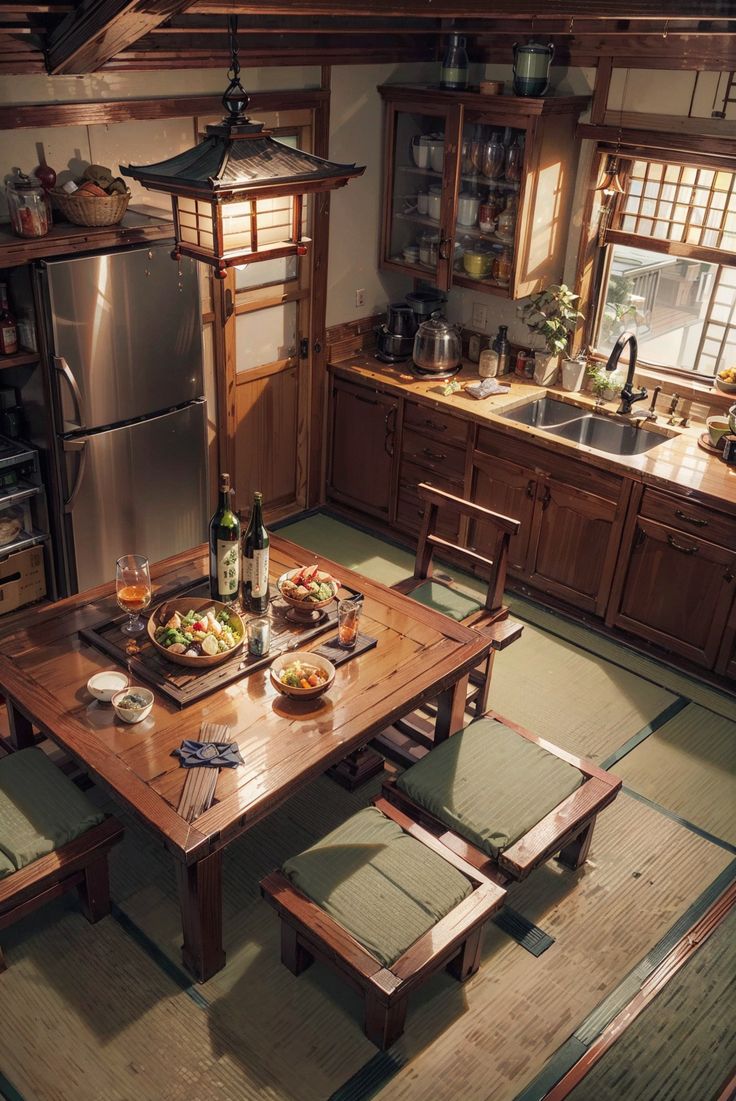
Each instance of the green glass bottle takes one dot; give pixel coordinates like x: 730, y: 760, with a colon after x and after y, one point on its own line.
x: 255, y: 560
x: 224, y: 548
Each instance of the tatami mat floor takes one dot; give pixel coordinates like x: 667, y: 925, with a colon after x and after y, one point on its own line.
x: 106, y: 1013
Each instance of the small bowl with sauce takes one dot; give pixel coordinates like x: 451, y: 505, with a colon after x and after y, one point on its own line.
x: 133, y: 704
x: 103, y: 686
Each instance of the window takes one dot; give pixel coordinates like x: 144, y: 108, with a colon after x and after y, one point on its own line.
x: 668, y: 270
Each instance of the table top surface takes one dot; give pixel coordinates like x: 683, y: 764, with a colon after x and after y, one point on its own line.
x: 45, y: 666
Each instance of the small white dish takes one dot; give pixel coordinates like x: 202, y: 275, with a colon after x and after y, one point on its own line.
x: 104, y: 685
x: 133, y: 714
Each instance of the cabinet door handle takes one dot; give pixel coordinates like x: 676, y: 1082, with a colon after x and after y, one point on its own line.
x: 366, y: 401
x: 680, y: 547
x: 690, y: 519
x: 531, y: 486
x: 445, y: 248
x: 728, y: 576
x: 388, y: 439
x: 437, y: 456
x: 547, y: 497
x: 639, y: 537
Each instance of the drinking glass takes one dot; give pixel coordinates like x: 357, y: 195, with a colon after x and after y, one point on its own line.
x: 133, y: 586
x: 348, y: 618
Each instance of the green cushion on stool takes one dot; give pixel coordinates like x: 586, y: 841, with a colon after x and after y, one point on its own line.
x: 40, y: 809
x: 5, y: 866
x: 489, y: 784
x: 449, y: 601
x: 378, y: 883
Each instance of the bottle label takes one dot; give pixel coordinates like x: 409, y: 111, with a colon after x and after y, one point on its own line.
x: 227, y: 568
x: 246, y: 573
x: 259, y: 575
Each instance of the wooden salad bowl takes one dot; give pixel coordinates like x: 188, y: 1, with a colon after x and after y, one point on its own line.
x: 160, y: 615
x: 303, y: 605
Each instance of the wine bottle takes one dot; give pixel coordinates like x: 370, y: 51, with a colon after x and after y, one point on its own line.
x: 255, y: 560
x: 224, y: 548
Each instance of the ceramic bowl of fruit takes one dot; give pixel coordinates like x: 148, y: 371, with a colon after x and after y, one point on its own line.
x: 195, y: 631
x: 302, y: 675
x: 726, y: 380
x: 308, y: 588
x: 133, y: 704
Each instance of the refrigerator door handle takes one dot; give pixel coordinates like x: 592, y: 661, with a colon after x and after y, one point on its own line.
x: 65, y: 370
x: 79, y: 446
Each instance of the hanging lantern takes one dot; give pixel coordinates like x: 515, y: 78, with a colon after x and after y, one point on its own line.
x: 610, y: 184
x: 238, y: 196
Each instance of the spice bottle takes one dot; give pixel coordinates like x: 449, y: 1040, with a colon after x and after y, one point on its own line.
x: 501, y: 347
x: 8, y: 327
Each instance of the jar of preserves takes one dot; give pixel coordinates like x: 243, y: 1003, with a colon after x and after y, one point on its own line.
x: 28, y: 206
x: 506, y: 223
x: 502, y: 265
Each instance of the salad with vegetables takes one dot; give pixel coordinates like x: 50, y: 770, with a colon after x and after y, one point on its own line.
x: 198, y: 634
x: 309, y: 584
x: 299, y: 675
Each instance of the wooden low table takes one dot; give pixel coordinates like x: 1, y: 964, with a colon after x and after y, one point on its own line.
x: 45, y: 665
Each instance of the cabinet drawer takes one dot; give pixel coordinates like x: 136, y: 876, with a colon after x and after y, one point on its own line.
x: 445, y: 459
x: 410, y: 513
x: 441, y: 427
x: 411, y: 474
x: 689, y: 517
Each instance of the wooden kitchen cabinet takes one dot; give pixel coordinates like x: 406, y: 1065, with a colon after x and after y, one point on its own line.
x: 433, y: 449
x: 441, y: 141
x: 675, y: 587
x: 361, y: 466
x: 571, y: 517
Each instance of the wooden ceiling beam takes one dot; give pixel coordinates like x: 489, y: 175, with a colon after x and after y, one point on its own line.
x: 666, y: 10
x: 99, y: 29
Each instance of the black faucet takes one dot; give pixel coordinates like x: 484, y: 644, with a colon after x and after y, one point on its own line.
x: 628, y: 394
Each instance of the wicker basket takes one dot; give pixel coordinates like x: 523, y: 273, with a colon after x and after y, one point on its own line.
x: 92, y: 210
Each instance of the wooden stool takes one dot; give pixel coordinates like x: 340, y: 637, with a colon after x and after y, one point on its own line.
x: 381, y: 938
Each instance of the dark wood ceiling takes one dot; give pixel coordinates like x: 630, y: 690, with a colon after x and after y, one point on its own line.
x: 59, y: 37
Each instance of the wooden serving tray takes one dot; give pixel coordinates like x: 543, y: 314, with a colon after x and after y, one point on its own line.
x: 186, y: 686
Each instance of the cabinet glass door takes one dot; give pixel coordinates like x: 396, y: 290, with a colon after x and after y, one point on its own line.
x: 421, y: 183
x: 491, y: 173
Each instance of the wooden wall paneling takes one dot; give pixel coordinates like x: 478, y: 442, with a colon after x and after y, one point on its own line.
x: 588, y: 258
x: 467, y: 9
x: 317, y: 380
x: 709, y: 145
x: 600, y: 92
x: 98, y: 29
x: 267, y: 435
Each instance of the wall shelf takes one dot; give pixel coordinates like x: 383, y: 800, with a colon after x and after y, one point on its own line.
x: 64, y: 239
x: 20, y: 359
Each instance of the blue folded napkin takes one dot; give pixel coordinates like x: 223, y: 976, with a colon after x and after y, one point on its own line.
x: 210, y: 754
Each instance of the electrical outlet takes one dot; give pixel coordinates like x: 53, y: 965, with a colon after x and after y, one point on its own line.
x: 480, y: 315
x: 360, y: 297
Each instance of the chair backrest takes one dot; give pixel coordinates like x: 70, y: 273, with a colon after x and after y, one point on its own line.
x: 429, y: 541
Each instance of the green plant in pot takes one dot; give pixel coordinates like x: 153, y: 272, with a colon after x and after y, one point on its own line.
x: 551, y: 316
x: 603, y: 384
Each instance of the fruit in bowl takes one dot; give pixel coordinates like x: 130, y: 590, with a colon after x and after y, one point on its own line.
x: 302, y: 675
x: 308, y: 587
x: 195, y: 631
x: 726, y: 380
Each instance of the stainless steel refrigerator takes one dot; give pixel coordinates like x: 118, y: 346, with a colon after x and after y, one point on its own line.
x: 124, y: 340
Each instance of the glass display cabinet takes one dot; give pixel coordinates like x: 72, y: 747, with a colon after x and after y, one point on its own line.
x: 478, y: 189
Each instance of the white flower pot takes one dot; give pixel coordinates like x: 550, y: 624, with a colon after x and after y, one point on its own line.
x: 573, y: 374
x: 546, y: 367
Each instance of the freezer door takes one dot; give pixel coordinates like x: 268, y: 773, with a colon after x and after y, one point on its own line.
x: 125, y: 335
x: 141, y: 489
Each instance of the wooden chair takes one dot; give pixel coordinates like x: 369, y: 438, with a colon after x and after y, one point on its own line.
x: 565, y: 829
x: 441, y: 593
x: 80, y: 862
x: 309, y: 932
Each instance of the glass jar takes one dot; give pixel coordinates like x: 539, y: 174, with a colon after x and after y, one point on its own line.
x: 454, y: 70
x: 514, y: 159
x: 494, y: 156
x: 28, y: 206
x: 506, y: 224
x: 502, y: 264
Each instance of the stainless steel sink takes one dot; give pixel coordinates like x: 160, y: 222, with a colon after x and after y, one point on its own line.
x: 544, y: 412
x: 568, y: 422
x: 609, y: 436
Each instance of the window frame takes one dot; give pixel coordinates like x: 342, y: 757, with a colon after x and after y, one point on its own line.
x: 604, y: 234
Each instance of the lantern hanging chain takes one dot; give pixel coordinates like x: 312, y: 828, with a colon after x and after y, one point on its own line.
x: 232, y: 37
x: 236, y: 99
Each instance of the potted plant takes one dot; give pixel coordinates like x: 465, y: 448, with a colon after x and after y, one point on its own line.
x: 572, y: 373
x: 552, y: 317
x: 603, y: 383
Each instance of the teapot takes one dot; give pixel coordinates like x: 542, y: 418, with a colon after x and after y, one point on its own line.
x: 437, y: 345
x: 531, y: 68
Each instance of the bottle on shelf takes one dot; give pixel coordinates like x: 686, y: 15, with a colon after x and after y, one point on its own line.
x: 454, y: 70
x: 224, y: 548
x: 255, y: 560
x: 501, y: 347
x: 8, y: 326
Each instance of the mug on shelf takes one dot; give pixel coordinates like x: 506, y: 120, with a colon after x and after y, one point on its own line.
x: 477, y: 263
x: 419, y: 146
x: 436, y: 154
x: 434, y: 203
x: 422, y: 202
x: 467, y: 209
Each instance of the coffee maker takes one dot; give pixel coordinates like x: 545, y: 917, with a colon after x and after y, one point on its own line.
x: 395, y: 338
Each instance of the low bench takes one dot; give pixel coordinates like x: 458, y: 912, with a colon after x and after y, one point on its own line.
x: 52, y: 839
x: 375, y: 901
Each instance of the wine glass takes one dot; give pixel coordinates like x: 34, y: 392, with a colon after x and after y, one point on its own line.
x: 133, y: 586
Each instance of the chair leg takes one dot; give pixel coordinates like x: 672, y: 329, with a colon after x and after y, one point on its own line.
x: 3, y: 964
x: 94, y: 890
x: 384, y: 1023
x: 467, y: 961
x: 293, y: 954
x: 575, y: 853
x: 481, y: 700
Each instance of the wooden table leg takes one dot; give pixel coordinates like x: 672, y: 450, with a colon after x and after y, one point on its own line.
x: 21, y: 730
x: 200, y: 899
x: 451, y: 710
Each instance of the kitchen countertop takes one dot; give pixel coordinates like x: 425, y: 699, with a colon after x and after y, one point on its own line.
x: 679, y: 464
